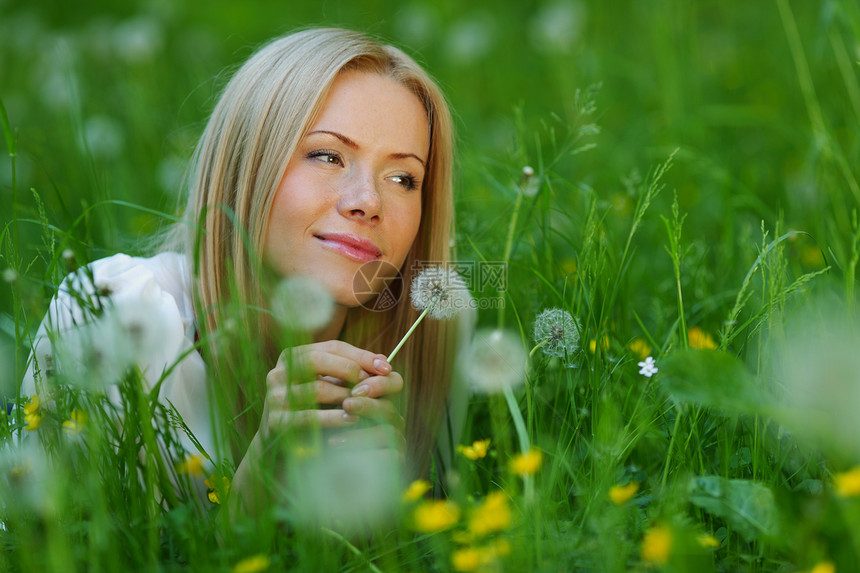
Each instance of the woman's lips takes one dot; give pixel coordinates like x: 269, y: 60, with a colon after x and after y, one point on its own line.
x: 353, y: 247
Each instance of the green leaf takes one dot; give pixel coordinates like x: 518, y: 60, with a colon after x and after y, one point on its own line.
x: 746, y: 506
x: 711, y: 378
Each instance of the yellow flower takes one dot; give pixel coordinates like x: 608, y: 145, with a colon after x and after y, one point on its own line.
x: 477, y: 558
x: 708, y: 541
x: 192, y: 465
x: 492, y: 515
x: 621, y: 494
x: 416, y: 490
x: 700, y: 339
x: 33, y: 421
x: 478, y: 449
x: 568, y: 267
x: 656, y: 545
x: 32, y: 406
x: 811, y: 256
x: 32, y: 415
x: 435, y: 515
x: 640, y: 348
x: 527, y: 463
x: 847, y: 484
x: 604, y: 343
x: 824, y: 567
x: 76, y: 422
x: 501, y: 547
x: 216, y: 494
x: 252, y: 564
x: 466, y: 559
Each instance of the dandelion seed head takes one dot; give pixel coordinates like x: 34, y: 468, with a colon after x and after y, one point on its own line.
x: 441, y: 290
x: 558, y: 332
x: 301, y: 303
x: 494, y: 360
x: 10, y: 275
x: 324, y: 489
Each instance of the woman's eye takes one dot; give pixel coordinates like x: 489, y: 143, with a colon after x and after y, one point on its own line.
x: 326, y: 156
x: 406, y: 181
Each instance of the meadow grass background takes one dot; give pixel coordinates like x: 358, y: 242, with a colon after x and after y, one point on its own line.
x: 696, y: 171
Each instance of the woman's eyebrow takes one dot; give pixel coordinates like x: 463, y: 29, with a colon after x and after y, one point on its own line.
x: 350, y: 143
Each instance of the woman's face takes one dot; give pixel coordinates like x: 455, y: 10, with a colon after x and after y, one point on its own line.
x: 351, y: 193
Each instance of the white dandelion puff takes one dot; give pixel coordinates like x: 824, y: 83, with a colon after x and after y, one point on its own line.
x: 495, y: 360
x: 647, y: 367
x: 322, y: 488
x: 556, y: 332
x: 440, y: 291
x: 301, y: 303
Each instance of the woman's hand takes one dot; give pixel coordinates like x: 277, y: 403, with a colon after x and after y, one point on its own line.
x: 334, y: 386
x: 310, y: 385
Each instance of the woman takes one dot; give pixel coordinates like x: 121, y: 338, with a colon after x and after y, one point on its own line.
x: 326, y: 150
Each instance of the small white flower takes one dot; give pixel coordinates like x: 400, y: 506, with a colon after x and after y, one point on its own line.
x: 557, y: 332
x: 441, y: 290
x: 302, y: 304
x: 528, y: 171
x: 648, y: 368
x: 495, y: 360
x: 10, y: 275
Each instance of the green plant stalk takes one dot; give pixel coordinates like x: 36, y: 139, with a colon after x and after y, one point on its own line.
x: 671, y: 449
x: 408, y: 334
x: 509, y: 242
x: 522, y: 435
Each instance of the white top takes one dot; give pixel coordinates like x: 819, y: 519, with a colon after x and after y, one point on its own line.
x: 148, y: 321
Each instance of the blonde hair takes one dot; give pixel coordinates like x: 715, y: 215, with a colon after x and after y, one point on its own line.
x: 265, y: 110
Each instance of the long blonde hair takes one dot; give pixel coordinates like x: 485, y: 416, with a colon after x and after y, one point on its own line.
x: 264, y: 111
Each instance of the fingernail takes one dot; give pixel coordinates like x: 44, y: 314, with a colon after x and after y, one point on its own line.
x: 352, y: 405
x: 362, y: 390
x: 381, y: 366
x: 349, y: 418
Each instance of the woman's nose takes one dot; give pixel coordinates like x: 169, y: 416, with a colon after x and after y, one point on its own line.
x: 360, y: 199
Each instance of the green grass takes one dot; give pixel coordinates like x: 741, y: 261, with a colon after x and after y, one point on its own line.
x: 705, y: 185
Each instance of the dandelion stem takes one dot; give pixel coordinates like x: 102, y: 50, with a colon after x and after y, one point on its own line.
x: 535, y: 349
x: 409, y: 333
x: 522, y: 435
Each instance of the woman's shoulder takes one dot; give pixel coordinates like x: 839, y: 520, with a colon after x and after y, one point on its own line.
x: 123, y: 279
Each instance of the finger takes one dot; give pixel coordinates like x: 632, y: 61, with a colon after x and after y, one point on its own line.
x: 316, y: 393
x: 377, y: 409
x: 369, y: 438
x: 281, y: 420
x: 377, y: 386
x: 336, y: 358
